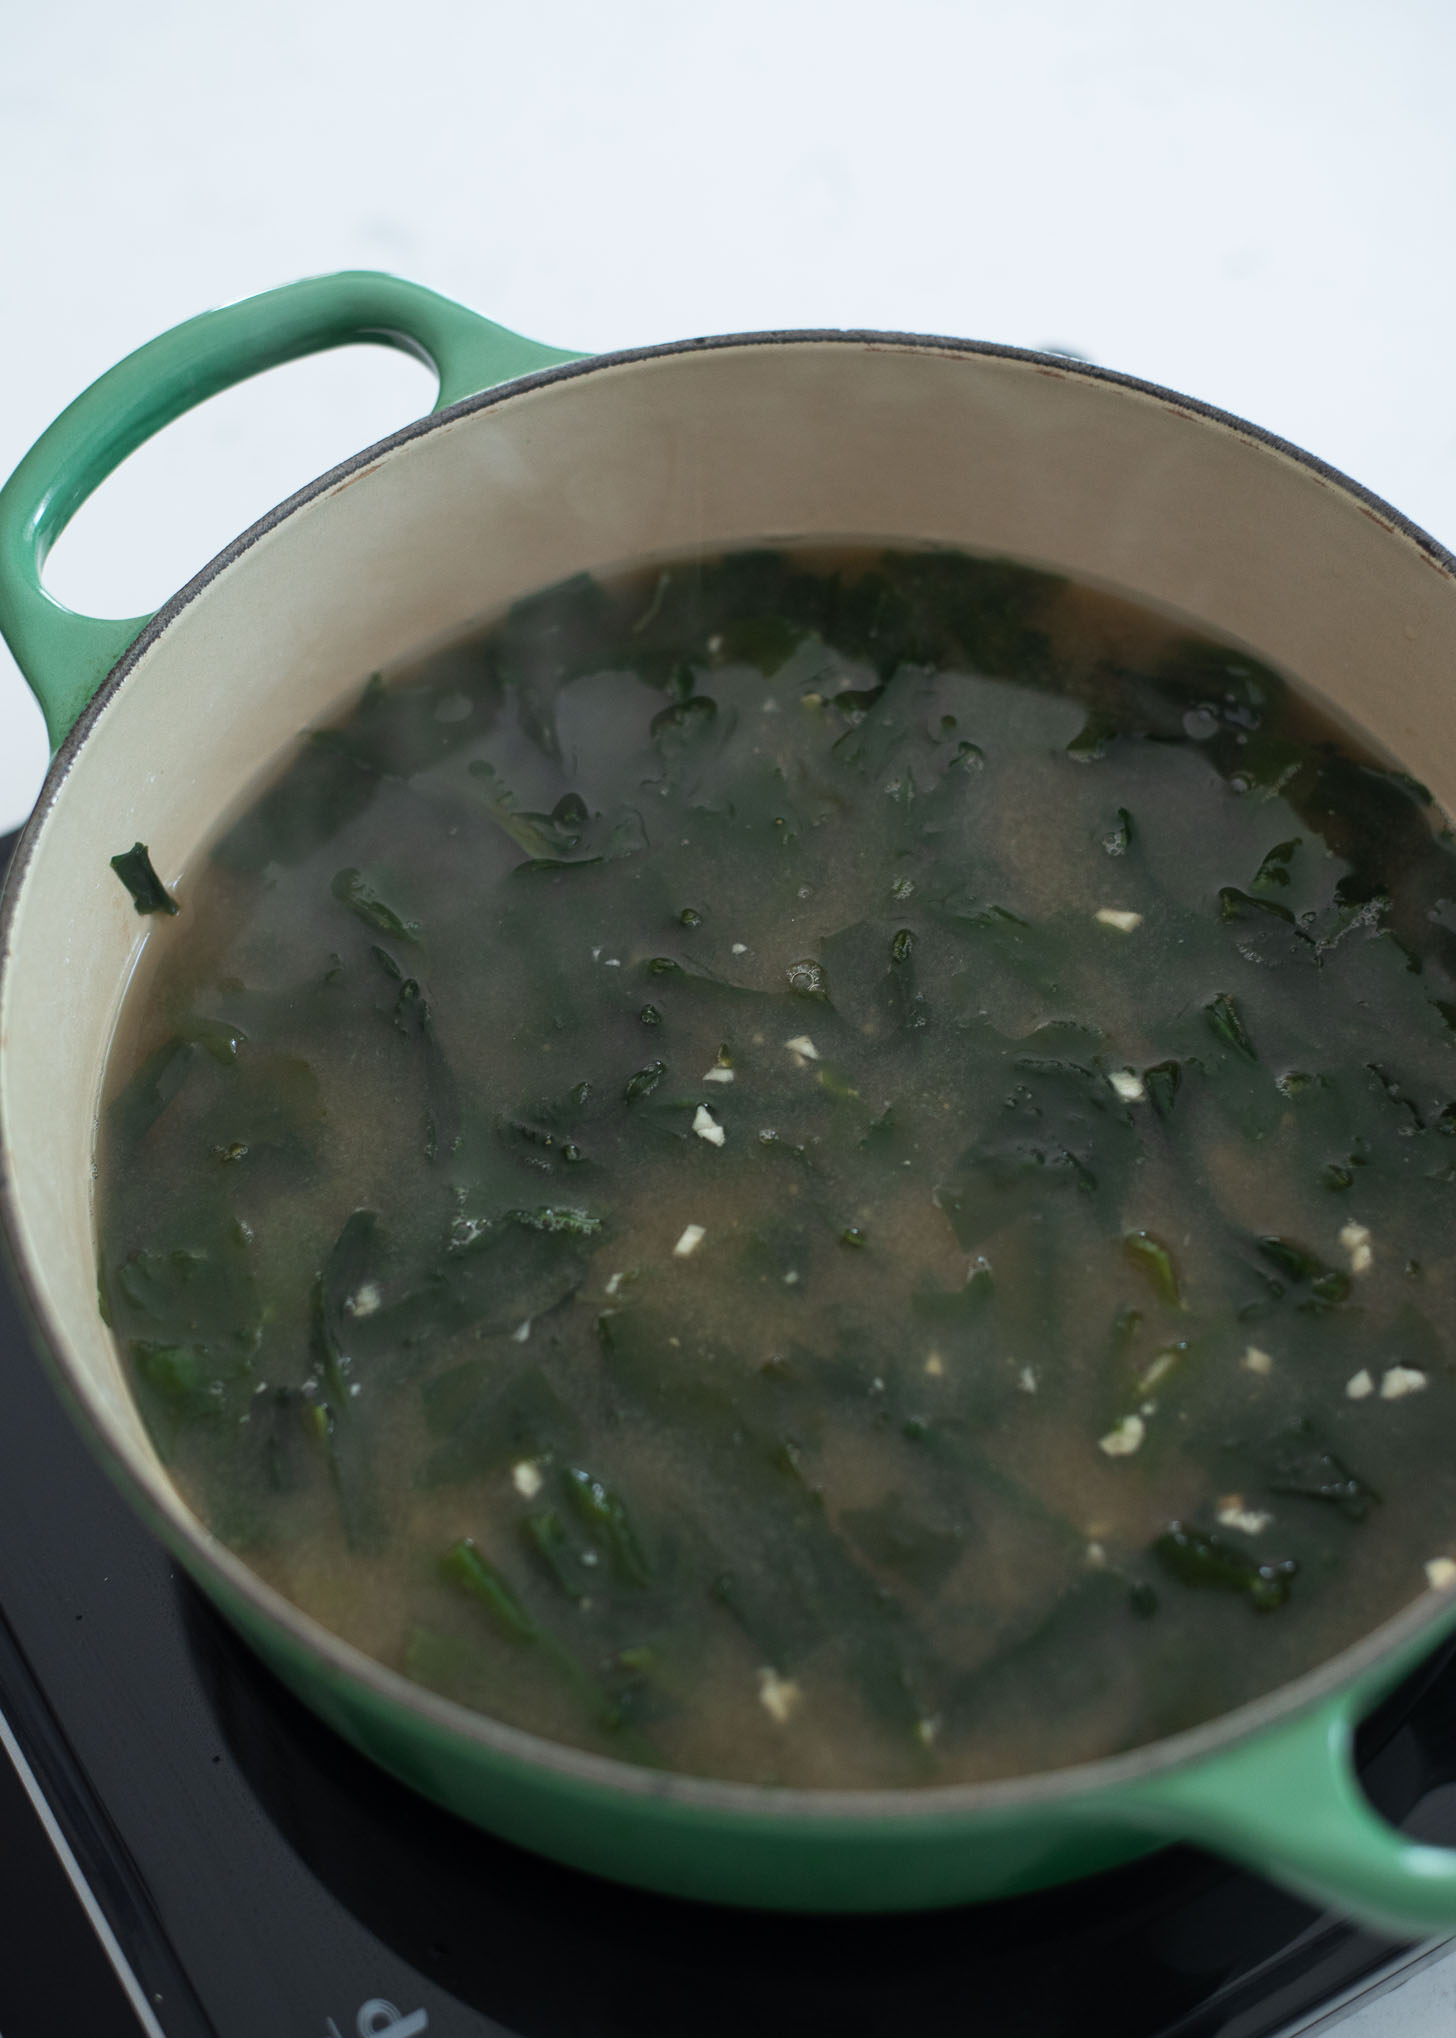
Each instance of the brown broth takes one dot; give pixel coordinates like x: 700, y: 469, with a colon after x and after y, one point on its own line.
x: 418, y: 1108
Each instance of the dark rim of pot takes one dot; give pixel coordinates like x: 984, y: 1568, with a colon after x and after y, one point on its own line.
x: 1391, y: 1646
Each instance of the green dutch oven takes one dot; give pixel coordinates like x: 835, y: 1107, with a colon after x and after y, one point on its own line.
x: 536, y: 464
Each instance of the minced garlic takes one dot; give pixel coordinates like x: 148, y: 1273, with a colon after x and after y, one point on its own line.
x: 1355, y: 1238
x: 777, y: 1695
x: 1399, y: 1381
x: 1250, y: 1521
x: 1125, y: 1439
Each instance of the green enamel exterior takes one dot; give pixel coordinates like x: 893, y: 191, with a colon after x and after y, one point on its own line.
x: 1287, y: 1802
x: 776, y: 1858
x: 1281, y: 1798
x: 66, y: 656
x: 1284, y: 1801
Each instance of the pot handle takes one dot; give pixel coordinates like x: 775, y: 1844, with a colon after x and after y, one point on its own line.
x: 1288, y: 1804
x: 65, y: 656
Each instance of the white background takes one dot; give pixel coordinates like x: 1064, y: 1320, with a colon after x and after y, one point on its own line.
x: 1252, y: 202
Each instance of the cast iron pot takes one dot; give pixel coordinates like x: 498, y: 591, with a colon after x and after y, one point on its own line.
x: 535, y: 465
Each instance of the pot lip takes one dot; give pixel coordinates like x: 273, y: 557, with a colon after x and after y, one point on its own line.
x: 866, y: 339
x: 334, y: 1658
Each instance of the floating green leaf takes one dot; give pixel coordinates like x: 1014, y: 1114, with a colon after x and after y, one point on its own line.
x: 149, y: 894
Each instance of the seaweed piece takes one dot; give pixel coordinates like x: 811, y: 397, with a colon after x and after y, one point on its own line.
x: 604, y: 1514
x: 346, y: 1290
x: 280, y: 1418
x: 184, y: 1377
x: 557, y: 1220
x: 414, y: 1018
x: 956, y: 1306
x: 1274, y: 870
x: 400, y: 728
x: 266, y: 1108
x: 464, y: 1566
x: 354, y: 890
x: 484, y: 1422
x: 328, y: 785
x: 893, y: 1536
x: 1119, y: 839
x: 1226, y: 1023
x: 1162, y: 1083
x: 148, y: 893
x: 219, y: 1037
x: 907, y: 1006
x: 501, y: 1272
x: 191, y: 1316
x: 1154, y: 1259
x: 1236, y: 905
x: 1212, y: 1562
x: 545, y: 1536
x: 1090, y: 743
x: 1300, y: 1467
x: 1070, y: 1653
x: 346, y: 1454
x: 1327, y: 1285
x: 135, y: 1110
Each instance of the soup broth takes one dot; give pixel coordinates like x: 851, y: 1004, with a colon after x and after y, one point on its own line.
x: 826, y: 1168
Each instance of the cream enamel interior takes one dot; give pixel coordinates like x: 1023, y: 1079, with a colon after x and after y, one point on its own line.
x: 713, y: 446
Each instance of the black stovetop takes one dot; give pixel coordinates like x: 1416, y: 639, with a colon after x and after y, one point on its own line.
x: 258, y: 1879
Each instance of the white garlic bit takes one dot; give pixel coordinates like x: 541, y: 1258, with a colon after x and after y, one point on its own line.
x: 1441, y: 1573
x: 717, y: 1075
x: 614, y: 1285
x: 1159, y: 1369
x: 707, y: 1127
x: 777, y: 1695
x: 739, y: 948
x: 802, y: 1046
x: 1125, y: 1439
x: 1360, y: 1384
x: 1114, y: 916
x: 364, y: 1301
x: 1255, y: 1361
x: 1355, y: 1238
x: 522, y: 1331
x: 1250, y: 1521
x: 1398, y: 1381
x: 692, y: 1237
x: 526, y: 1478
x: 1026, y: 1380
x: 1128, y: 1085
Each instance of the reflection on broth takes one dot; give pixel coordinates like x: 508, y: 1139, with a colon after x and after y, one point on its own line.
x: 822, y: 1168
